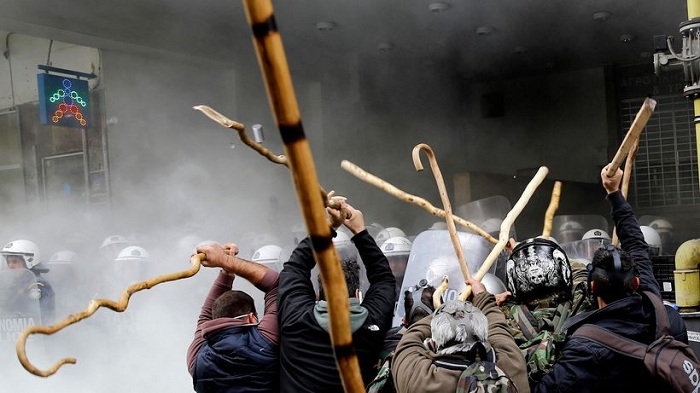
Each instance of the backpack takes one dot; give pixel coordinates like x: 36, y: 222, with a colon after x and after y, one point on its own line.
x: 666, y: 358
x: 484, y: 377
x: 383, y: 382
x: 539, y: 333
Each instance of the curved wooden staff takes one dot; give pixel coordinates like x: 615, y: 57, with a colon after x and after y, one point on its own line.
x: 505, y: 228
x: 273, y: 64
x: 406, y: 197
x: 626, y: 176
x: 93, y: 306
x: 551, y: 209
x: 445, y: 201
x: 265, y: 152
x: 228, y: 123
x: 640, y: 121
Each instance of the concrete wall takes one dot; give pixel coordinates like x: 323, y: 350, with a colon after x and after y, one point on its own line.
x: 372, y: 120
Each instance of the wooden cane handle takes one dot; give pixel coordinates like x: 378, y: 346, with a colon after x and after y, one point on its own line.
x: 447, y: 206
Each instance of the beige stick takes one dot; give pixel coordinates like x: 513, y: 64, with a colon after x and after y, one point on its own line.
x: 551, y: 209
x: 265, y: 152
x: 413, y: 199
x: 445, y: 201
x: 640, y: 121
x: 505, y: 228
x: 93, y: 306
x: 626, y: 176
x: 228, y: 123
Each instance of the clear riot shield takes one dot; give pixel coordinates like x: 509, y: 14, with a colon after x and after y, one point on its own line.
x: 488, y: 214
x: 345, y: 252
x: 19, y: 303
x: 433, y: 256
x: 583, y: 250
x: 571, y: 228
x: 72, y: 293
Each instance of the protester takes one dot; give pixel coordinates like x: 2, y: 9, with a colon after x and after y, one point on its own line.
x: 428, y: 359
x: 232, y: 350
x: 307, y: 360
x: 616, y: 278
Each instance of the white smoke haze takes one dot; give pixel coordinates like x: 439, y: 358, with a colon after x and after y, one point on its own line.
x: 175, y: 180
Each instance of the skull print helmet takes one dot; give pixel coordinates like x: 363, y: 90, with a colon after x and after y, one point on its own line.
x: 538, y: 268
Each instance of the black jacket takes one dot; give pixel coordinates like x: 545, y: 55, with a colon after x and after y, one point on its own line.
x: 586, y: 366
x: 307, y: 363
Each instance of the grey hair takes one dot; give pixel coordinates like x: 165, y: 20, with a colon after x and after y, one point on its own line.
x: 458, y: 323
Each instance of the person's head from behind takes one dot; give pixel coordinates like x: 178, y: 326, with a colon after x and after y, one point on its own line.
x: 539, y: 270
x: 457, y: 325
x: 417, y: 302
x: 612, y: 274
x: 351, y: 271
x: 234, y: 304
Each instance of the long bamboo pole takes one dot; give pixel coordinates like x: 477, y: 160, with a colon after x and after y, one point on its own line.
x: 280, y: 91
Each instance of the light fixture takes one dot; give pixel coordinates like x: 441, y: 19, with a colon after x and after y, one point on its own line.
x: 601, y: 16
x: 438, y: 6
x: 385, y: 47
x: 325, y: 26
x: 666, y: 57
x: 626, y: 38
x: 484, y: 30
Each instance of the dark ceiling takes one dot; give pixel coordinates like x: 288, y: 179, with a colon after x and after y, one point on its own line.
x: 527, y: 37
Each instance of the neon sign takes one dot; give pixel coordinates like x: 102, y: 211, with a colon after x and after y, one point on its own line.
x: 63, y: 101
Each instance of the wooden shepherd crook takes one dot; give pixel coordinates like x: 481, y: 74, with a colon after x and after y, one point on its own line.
x: 94, y: 305
x: 410, y: 198
x: 445, y: 202
x: 273, y: 64
x: 640, y: 121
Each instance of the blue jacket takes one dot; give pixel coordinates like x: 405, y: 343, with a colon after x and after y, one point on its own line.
x: 241, y: 348
x: 586, y: 366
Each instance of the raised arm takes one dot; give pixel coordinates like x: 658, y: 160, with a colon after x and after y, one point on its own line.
x: 628, y: 231
x: 508, y: 356
x: 223, y: 283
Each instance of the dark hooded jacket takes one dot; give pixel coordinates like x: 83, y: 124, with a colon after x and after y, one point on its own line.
x: 307, y: 362
x: 228, y: 355
x: 586, y: 366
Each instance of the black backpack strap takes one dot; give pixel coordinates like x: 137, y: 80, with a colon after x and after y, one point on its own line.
x: 662, y: 324
x: 612, y: 341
